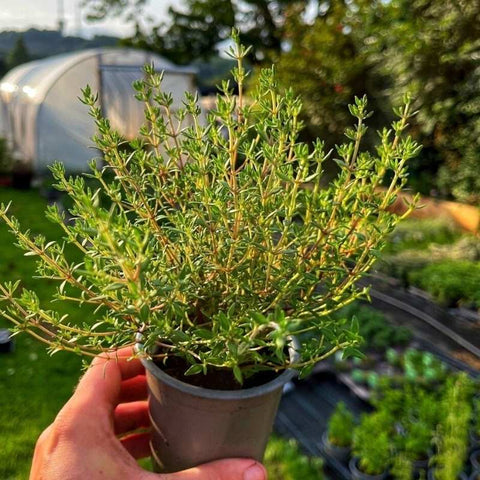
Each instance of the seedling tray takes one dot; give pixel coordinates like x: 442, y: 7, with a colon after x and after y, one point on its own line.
x: 306, y: 408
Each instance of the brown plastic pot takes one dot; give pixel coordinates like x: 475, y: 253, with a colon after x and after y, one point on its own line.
x: 194, y: 425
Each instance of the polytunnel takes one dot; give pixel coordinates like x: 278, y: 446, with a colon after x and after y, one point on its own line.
x: 43, y: 119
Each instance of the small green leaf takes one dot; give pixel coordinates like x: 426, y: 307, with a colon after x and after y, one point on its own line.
x: 352, y: 352
x: 237, y: 373
x: 194, y: 370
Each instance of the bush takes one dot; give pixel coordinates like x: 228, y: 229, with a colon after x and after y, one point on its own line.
x: 284, y: 461
x: 371, y: 442
x: 402, y: 468
x: 212, y: 249
x: 401, y: 264
x: 422, y: 366
x: 377, y: 333
x: 340, y: 426
x: 452, y: 439
x: 413, y: 420
x: 419, y: 234
x: 450, y: 282
x: 418, y: 440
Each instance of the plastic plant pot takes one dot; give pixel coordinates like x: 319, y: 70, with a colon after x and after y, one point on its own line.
x: 420, y: 465
x: 474, y: 475
x: 474, y: 439
x: 6, y: 341
x: 475, y: 459
x: 193, y: 425
x: 357, y: 474
x: 342, y: 454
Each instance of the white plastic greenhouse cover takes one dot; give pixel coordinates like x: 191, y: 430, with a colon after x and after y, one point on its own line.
x: 43, y: 120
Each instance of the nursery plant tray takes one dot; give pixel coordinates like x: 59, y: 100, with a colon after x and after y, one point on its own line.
x: 429, y: 320
x: 305, y: 410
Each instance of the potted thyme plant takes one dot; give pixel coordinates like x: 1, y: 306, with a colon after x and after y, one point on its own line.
x: 452, y: 432
x: 215, y: 248
x: 337, y: 439
x: 372, y: 447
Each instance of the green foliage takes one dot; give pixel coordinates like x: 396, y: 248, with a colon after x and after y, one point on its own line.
x: 284, y: 461
x: 194, y: 29
x: 374, y: 328
x: 421, y: 233
x: 422, y: 366
x: 414, y: 419
x: 19, y: 54
x: 6, y: 161
x: 418, y: 440
x: 403, y: 264
x: 452, y: 439
x: 450, y: 282
x: 402, y: 468
x: 340, y: 426
x: 326, y: 63
x: 333, y: 50
x: 440, y: 68
x: 371, y: 442
x: 27, y: 404
x: 210, y: 247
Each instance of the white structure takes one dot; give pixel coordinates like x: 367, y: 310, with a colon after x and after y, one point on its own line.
x: 43, y: 119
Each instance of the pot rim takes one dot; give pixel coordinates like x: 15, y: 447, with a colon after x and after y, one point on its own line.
x: 272, y: 385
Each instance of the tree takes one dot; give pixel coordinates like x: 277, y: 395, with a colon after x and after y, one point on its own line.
x: 195, y: 30
x: 432, y: 48
x: 3, y: 67
x: 19, y: 53
x: 325, y: 62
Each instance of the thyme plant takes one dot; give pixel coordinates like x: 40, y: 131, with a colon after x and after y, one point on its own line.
x: 340, y: 426
x: 215, y: 240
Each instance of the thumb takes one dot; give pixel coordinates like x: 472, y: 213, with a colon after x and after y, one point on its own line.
x: 229, y: 469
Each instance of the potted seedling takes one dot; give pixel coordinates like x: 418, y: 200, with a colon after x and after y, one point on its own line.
x: 372, y: 447
x: 452, y: 437
x: 216, y: 249
x: 337, y: 439
x: 422, y: 415
x: 417, y: 444
x: 402, y: 467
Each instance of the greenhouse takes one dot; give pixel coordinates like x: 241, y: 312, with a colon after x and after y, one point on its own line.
x: 42, y: 118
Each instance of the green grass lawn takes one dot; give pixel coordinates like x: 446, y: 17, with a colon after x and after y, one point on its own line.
x: 34, y: 386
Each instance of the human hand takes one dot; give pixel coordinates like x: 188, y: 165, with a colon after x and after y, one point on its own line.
x: 90, y: 440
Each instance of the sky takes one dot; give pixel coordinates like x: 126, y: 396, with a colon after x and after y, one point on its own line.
x: 43, y: 14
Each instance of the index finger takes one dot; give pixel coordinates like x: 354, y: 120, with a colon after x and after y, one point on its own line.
x: 101, y: 384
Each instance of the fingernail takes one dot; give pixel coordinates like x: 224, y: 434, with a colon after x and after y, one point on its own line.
x: 255, y: 472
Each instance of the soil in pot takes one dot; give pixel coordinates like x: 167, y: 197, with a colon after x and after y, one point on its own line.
x: 357, y: 474
x: 215, y: 378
